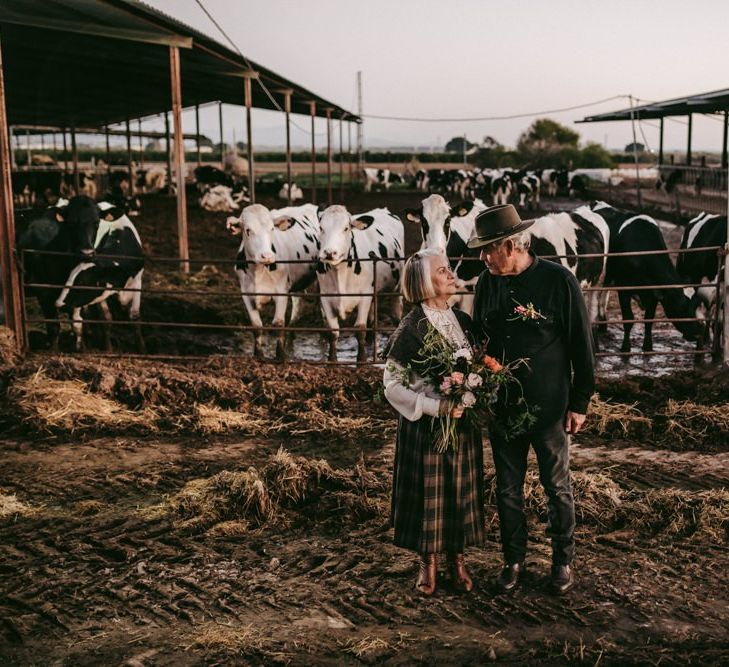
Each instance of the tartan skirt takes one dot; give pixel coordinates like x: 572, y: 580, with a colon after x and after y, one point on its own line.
x: 437, y: 499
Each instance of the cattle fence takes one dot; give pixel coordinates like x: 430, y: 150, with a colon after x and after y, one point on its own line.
x: 155, y: 322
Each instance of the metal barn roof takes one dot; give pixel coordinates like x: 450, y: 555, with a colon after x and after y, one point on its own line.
x: 95, y: 62
x: 711, y: 102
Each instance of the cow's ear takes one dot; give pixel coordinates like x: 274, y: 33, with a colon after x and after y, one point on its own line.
x: 362, y: 222
x: 283, y: 223
x: 109, y: 217
x: 412, y: 215
x: 59, y: 217
x: 232, y: 224
x: 464, y: 208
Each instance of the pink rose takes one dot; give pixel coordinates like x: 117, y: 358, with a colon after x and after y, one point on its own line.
x: 457, y: 377
x: 445, y: 386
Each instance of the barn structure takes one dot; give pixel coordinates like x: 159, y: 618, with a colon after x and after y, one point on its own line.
x: 88, y: 64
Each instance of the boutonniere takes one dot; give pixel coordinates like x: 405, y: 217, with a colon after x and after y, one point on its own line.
x: 524, y: 313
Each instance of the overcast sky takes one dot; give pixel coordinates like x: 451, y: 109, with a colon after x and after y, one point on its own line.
x: 476, y: 58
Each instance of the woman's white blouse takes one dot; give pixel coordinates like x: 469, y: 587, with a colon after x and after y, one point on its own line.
x: 419, y: 398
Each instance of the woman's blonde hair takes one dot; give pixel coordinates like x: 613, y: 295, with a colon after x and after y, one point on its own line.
x: 417, y: 284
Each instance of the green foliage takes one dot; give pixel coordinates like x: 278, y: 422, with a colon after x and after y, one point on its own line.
x: 594, y: 156
x: 456, y: 145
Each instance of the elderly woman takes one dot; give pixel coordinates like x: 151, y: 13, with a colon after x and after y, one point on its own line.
x: 437, y: 499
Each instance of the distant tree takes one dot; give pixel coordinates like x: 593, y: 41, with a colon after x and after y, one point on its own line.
x: 594, y: 156
x: 489, y: 143
x: 240, y: 145
x: 206, y: 141
x: 546, y: 143
x: 637, y: 147
x: 455, y: 145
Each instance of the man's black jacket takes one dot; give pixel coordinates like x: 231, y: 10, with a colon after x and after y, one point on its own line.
x: 554, y: 336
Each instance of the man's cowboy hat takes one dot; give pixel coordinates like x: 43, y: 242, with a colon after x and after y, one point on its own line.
x: 496, y: 224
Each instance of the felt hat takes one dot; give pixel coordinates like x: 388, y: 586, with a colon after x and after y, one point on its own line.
x: 496, y: 224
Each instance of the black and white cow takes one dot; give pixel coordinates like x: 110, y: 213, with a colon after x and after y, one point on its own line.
x: 267, y: 263
x: 572, y: 236
x: 383, y: 177
x: 528, y: 189
x: 296, y: 192
x: 86, y: 181
x: 448, y: 229
x: 706, y: 230
x: 207, y: 176
x: 422, y: 180
x: 71, y: 229
x: 501, y: 188
x: 218, y: 198
x: 345, y: 240
x: 631, y: 232
x: 549, y: 182
x: 115, y: 269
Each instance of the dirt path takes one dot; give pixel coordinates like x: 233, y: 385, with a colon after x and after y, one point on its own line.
x: 97, y: 573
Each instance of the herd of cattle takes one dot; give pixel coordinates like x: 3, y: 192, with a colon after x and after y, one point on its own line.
x: 92, y: 251
x: 500, y: 186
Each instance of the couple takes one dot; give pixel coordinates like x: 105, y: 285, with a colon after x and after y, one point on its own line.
x: 525, y: 307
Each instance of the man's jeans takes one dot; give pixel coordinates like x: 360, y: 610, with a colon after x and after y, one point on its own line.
x: 551, y: 445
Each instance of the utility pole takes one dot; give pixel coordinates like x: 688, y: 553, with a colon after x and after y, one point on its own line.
x: 360, y: 125
x: 635, y: 156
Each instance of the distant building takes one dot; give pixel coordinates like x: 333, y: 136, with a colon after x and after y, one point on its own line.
x: 638, y: 148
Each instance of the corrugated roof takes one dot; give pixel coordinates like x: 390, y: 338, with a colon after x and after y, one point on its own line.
x: 95, y: 62
x: 711, y: 102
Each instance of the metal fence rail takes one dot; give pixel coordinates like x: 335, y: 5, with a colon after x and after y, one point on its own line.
x: 375, y: 328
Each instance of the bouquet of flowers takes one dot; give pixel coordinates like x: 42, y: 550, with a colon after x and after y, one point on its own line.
x: 474, y: 380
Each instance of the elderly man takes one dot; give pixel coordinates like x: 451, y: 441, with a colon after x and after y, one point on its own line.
x: 526, y: 307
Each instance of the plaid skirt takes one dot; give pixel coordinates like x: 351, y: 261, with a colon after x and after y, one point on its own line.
x: 437, y: 499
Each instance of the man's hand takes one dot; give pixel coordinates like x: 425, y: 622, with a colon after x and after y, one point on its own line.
x: 457, y: 411
x: 574, y: 421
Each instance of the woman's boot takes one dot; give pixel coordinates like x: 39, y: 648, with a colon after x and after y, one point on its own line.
x: 427, y: 574
x: 459, y: 574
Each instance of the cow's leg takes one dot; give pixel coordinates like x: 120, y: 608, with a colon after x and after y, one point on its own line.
x: 602, y: 305
x: 53, y: 328
x: 650, y: 303
x: 107, y: 324
x: 279, y: 319
x: 255, y: 317
x: 332, y: 321
x: 77, y: 324
x: 626, y: 312
x: 397, y: 308
x: 363, y: 311
x: 593, y: 309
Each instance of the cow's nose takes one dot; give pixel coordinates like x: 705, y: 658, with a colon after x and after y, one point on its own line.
x: 328, y: 254
x: 267, y: 258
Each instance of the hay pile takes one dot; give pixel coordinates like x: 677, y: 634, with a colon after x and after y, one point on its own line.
x: 601, y: 502
x: 69, y: 405
x: 8, y: 354
x: 613, y: 418
x: 232, y: 502
x: 695, y: 421
x: 10, y: 506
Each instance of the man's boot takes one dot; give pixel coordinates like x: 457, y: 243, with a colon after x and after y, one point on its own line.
x: 561, y: 579
x: 460, y: 578
x: 510, y: 577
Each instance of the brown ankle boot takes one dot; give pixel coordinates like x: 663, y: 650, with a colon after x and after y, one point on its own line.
x: 427, y: 574
x: 460, y: 578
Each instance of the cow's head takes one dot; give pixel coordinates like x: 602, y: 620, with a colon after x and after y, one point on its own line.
x: 434, y: 218
x: 80, y: 221
x: 256, y: 225
x: 337, y: 226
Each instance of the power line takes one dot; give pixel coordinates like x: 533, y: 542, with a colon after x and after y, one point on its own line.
x: 485, y: 118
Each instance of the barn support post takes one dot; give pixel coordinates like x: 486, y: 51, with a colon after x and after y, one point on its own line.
x: 341, y: 161
x: 660, y: 144
x: 141, y: 143
x: 74, y: 157
x: 222, y: 140
x: 725, y: 337
x: 329, y: 156
x: 9, y: 275
x: 688, y: 140
x: 248, y: 90
x: 108, y: 156
x: 65, y: 152
x: 197, y: 133
x: 27, y: 149
x: 349, y: 151
x: 724, y: 156
x: 13, y: 164
x: 635, y: 156
x: 312, y: 110
x: 168, y: 149
x: 287, y: 111
x: 179, y: 159
x: 130, y: 160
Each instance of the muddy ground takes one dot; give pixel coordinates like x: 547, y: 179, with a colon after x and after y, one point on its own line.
x: 100, y: 565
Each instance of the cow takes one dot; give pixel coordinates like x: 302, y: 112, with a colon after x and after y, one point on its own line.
x: 566, y: 238
x: 269, y: 262
x: 152, y: 180
x: 706, y: 230
x: 68, y: 228
x: 528, y: 189
x: 578, y: 186
x: 218, y: 198
x: 87, y: 184
x: 207, y: 176
x: 549, y: 181
x: 345, y: 281
x: 33, y: 188
x: 383, y: 177
x: 120, y: 198
x: 501, y: 188
x: 421, y: 180
x: 296, y: 192
x: 631, y: 232
x: 115, y: 269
